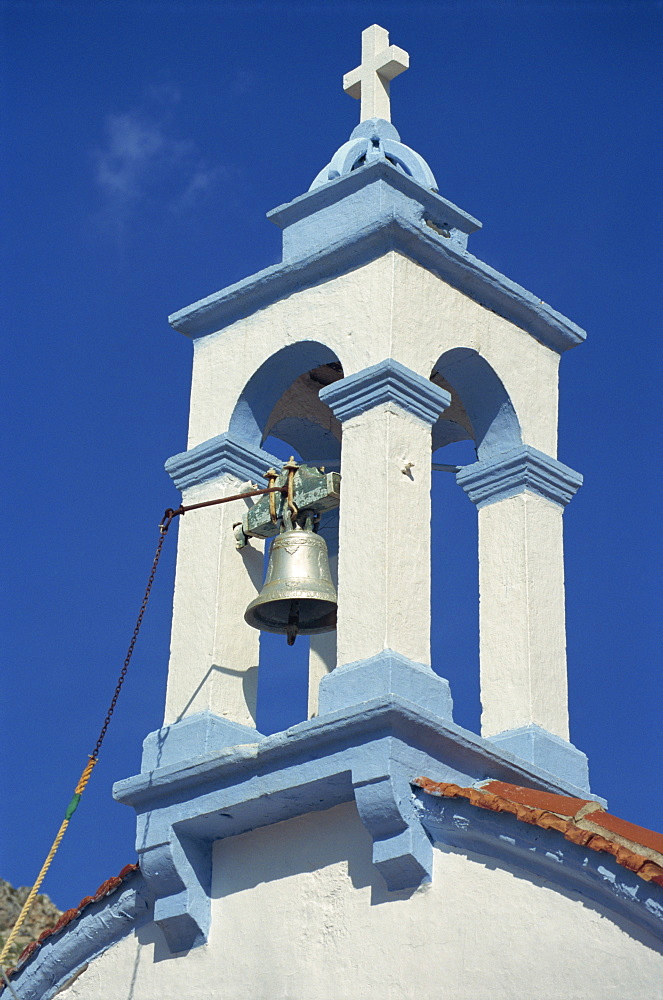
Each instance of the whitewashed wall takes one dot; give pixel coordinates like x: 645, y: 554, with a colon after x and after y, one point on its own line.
x: 299, y: 913
x: 390, y: 307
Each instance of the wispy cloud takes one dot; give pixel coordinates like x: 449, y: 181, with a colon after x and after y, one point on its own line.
x: 145, y: 161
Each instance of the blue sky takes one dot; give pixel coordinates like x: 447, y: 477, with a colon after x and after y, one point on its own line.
x: 147, y: 140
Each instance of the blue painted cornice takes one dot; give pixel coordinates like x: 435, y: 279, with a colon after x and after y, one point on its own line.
x: 351, y: 201
x: 367, y: 752
x: 516, y: 471
x: 387, y: 382
x: 356, y: 219
x: 223, y: 454
x: 546, y: 855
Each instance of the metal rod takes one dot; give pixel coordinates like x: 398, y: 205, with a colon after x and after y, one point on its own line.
x: 170, y: 513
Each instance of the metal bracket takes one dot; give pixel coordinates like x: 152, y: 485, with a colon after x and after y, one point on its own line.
x: 316, y: 491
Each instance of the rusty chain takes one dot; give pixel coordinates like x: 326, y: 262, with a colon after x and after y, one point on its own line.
x: 164, y: 525
x: 163, y: 528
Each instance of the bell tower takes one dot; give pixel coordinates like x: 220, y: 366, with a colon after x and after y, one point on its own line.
x: 377, y: 339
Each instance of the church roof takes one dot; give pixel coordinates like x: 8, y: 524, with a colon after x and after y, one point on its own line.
x: 106, y: 888
x: 581, y: 821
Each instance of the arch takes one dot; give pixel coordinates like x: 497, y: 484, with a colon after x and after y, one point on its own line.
x: 280, y: 401
x: 486, y: 412
x: 251, y: 417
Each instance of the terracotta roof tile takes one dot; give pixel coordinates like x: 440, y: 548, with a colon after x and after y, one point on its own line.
x: 581, y: 821
x: 562, y: 805
x: 628, y: 831
x: 107, y: 887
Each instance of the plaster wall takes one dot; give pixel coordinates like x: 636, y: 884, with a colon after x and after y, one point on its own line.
x: 384, y: 536
x: 390, y: 307
x: 299, y: 913
x: 521, y: 616
x: 214, y: 654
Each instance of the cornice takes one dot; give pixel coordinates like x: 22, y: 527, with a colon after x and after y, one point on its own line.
x: 368, y: 237
x: 387, y: 382
x: 223, y: 454
x: 522, y: 469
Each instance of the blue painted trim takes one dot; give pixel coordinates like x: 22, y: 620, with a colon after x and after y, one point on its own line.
x: 516, y: 471
x: 348, y: 205
x: 546, y: 855
x: 375, y: 139
x: 100, y: 926
x: 223, y: 454
x: 369, y: 752
x: 385, y: 673
x: 494, y: 422
x: 428, y: 203
x: 206, y: 732
x: 546, y: 750
x: 268, y: 383
x: 387, y: 382
x: 372, y: 239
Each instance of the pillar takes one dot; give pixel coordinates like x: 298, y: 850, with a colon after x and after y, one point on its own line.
x: 384, y: 615
x: 214, y: 653
x: 520, y: 497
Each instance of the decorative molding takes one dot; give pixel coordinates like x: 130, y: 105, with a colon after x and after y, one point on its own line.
x: 402, y: 852
x: 544, y: 854
x: 369, y: 752
x: 516, y: 471
x: 401, y: 195
x: 546, y: 750
x: 223, y: 454
x: 376, y: 138
x: 387, y: 382
x: 389, y: 211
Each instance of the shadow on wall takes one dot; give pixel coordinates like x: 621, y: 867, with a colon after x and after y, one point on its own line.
x: 306, y: 844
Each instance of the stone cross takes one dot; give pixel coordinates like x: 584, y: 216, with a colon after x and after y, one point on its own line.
x: 380, y: 63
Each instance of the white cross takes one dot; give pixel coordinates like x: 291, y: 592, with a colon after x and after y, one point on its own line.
x: 380, y: 63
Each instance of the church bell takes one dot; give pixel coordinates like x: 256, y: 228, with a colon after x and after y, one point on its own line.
x: 298, y: 595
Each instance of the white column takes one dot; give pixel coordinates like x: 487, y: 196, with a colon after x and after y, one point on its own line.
x: 384, y: 530
x: 322, y: 648
x: 214, y: 653
x: 521, y: 496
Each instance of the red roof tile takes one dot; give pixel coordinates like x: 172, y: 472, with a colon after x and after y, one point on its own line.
x: 563, y: 805
x: 581, y: 821
x: 629, y: 831
x: 105, y: 889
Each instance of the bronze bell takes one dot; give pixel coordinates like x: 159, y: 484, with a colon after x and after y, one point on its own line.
x: 298, y: 595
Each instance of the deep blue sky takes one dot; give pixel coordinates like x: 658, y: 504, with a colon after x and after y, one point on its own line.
x: 146, y: 141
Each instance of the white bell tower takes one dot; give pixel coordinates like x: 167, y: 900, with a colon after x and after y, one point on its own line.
x: 376, y: 339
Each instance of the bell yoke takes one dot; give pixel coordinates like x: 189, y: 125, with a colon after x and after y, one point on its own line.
x: 298, y: 596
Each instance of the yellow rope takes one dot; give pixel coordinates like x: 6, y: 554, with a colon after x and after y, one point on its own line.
x: 80, y: 788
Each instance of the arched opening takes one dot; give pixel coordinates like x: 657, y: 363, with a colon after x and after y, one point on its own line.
x: 480, y: 409
x: 280, y: 411
x: 479, y: 424
x: 257, y: 411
